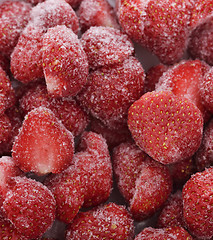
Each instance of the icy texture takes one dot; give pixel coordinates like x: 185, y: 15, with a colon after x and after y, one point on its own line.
x: 43, y: 144
x: 168, y: 128
x: 110, y: 91
x: 106, y: 222
x: 64, y: 62
x: 30, y: 206
x: 198, y: 204
x: 106, y: 46
x: 96, y: 13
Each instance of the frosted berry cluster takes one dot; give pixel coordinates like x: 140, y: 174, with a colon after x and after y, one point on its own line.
x: 96, y: 142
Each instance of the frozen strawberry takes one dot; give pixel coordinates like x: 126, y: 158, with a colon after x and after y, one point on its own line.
x: 51, y: 13
x: 43, y: 144
x: 167, y: 127
x: 106, y: 46
x: 172, y: 212
x: 111, y: 90
x: 206, y: 90
x: 93, y: 165
x: 8, y: 231
x: 127, y: 163
x: 181, y: 171
x: 96, y: 13
x: 198, y: 204
x: 7, y: 94
x: 171, y: 233
x: 161, y: 26
x: 106, y: 222
x: 64, y: 62
x: 67, y: 110
x: 152, y: 77
x: 201, y: 12
x: 4, y: 63
x: 14, y: 16
x: 201, y: 45
x: 8, y: 169
x: 30, y: 206
x: 5, y: 128
x: 68, y: 193
x: 112, y: 136
x: 183, y: 80
x: 204, y: 155
x: 152, y: 188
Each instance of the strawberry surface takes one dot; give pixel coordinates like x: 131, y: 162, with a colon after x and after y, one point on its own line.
x: 30, y: 206
x: 111, y: 90
x: 106, y: 46
x: 167, y: 127
x: 65, y: 63
x: 43, y: 144
x: 106, y: 222
x: 96, y: 13
x: 14, y: 16
x: 198, y: 204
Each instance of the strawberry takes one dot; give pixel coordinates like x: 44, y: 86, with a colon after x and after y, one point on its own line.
x: 152, y: 188
x: 206, y: 90
x: 5, y: 128
x: 152, y: 77
x: 171, y: 233
x: 93, y: 165
x: 111, y: 90
x: 64, y: 62
x: 106, y: 46
x: 8, y: 231
x: 96, y: 13
x: 7, y: 94
x: 204, y: 157
x: 32, y: 150
x: 167, y: 127
x: 198, y: 204
x: 30, y: 206
x: 4, y: 63
x: 200, y: 44
x: 172, y: 212
x: 183, y: 80
x: 14, y: 16
x: 161, y: 26
x: 106, y: 222
x: 67, y: 110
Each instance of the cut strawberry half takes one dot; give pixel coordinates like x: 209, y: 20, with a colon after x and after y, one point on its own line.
x: 43, y: 144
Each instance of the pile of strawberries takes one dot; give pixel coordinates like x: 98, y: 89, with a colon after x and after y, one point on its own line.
x: 81, y: 120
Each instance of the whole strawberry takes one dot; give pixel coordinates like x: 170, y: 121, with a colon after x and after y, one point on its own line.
x: 198, y: 204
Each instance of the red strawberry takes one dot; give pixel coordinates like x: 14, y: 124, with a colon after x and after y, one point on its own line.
x: 152, y: 188
x: 94, y: 167
x: 183, y: 80
x: 204, y: 155
x: 201, y: 12
x: 111, y: 90
x: 7, y: 95
x: 206, y: 90
x: 67, y: 110
x: 8, y: 231
x: 106, y: 46
x: 172, y: 212
x: 96, y: 13
x: 14, y: 16
x: 201, y: 45
x: 4, y: 63
x: 161, y: 26
x: 43, y: 144
x: 167, y: 127
x: 107, y: 222
x: 30, y: 206
x: 152, y: 77
x: 171, y: 233
x: 198, y: 204
x: 64, y: 62
x: 5, y: 128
